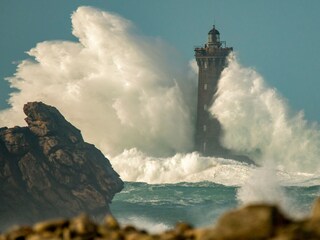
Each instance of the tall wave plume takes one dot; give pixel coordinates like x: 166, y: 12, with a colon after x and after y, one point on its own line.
x: 123, y: 90
x: 257, y: 122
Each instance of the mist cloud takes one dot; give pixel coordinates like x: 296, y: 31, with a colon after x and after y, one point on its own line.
x: 257, y: 122
x: 121, y: 89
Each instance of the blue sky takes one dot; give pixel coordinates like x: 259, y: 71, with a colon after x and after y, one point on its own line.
x: 280, y: 39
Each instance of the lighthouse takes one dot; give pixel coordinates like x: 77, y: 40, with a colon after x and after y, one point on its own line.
x: 211, y: 60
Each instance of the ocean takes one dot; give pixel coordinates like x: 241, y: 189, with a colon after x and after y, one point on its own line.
x: 158, y: 207
x: 155, y: 203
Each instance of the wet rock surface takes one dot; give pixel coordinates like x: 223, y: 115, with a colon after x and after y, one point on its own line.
x: 47, y: 170
x: 255, y: 222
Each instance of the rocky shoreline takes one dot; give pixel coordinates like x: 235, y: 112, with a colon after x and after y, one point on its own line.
x: 47, y: 170
x: 254, y: 222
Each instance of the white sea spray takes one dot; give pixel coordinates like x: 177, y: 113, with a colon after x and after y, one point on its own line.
x: 123, y: 90
x: 257, y: 122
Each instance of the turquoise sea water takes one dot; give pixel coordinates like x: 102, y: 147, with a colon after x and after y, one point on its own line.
x: 157, y: 207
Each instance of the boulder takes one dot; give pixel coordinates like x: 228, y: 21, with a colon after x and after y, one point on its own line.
x: 251, y: 222
x: 316, y: 210
x: 47, y: 170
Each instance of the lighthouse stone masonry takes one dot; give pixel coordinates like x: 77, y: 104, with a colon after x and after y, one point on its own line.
x: 211, y: 60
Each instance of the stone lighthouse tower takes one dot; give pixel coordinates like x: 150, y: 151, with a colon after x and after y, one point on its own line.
x: 211, y: 60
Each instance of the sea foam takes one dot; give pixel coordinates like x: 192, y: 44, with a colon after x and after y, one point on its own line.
x: 134, y: 165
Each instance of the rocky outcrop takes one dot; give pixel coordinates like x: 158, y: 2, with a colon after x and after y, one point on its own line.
x: 47, y: 170
x: 255, y: 222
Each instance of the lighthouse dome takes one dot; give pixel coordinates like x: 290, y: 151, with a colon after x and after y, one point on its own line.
x: 214, y: 37
x: 214, y: 31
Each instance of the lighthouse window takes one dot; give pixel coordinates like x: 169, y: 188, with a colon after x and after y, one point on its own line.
x: 204, y: 128
x: 205, y: 107
x: 205, y: 64
x: 205, y: 86
x: 204, y: 146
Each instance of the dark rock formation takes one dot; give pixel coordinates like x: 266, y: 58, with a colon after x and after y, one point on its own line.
x: 255, y: 222
x: 47, y: 170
